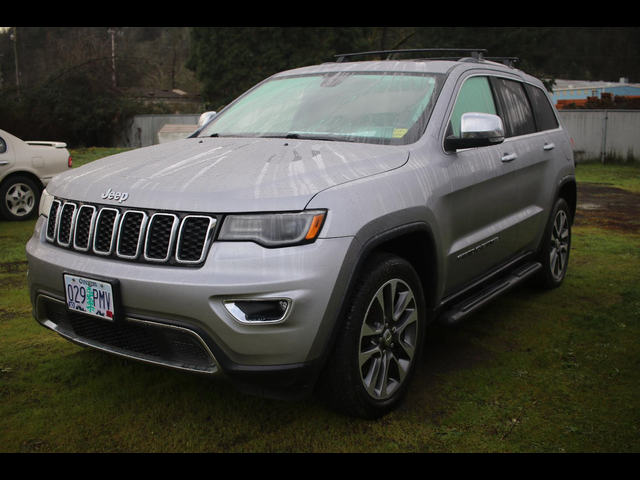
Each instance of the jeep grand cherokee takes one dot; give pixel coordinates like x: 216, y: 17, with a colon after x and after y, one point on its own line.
x: 309, y: 233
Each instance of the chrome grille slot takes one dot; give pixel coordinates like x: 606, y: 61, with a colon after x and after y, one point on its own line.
x: 194, y: 239
x: 66, y: 224
x: 85, y: 223
x: 161, y: 237
x: 132, y: 232
x: 52, y: 226
x: 106, y: 231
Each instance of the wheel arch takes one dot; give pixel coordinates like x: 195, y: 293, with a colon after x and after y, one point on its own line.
x: 568, y: 190
x: 401, y: 241
x: 416, y: 244
x: 24, y: 173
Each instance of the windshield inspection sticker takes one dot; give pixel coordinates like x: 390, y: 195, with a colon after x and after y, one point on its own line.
x: 400, y: 132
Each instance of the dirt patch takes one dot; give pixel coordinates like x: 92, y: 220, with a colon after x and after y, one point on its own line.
x: 7, y: 316
x: 442, y: 356
x: 14, y: 267
x: 607, y: 207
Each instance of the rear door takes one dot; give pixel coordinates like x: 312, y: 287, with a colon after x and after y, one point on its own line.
x: 528, y: 160
x: 552, y: 144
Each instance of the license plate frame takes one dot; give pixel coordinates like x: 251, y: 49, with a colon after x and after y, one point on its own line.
x: 93, y: 296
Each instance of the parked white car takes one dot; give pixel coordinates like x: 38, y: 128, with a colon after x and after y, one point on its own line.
x: 26, y: 168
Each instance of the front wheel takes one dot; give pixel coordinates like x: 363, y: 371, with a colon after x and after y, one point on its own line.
x: 380, y: 345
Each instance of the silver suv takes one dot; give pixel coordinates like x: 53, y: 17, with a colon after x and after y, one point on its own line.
x: 308, y: 234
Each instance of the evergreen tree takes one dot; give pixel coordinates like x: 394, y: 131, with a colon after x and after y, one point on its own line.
x: 230, y: 60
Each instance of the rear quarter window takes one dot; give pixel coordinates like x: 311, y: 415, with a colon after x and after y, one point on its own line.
x: 3, y: 146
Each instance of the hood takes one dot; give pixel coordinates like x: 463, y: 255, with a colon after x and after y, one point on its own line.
x: 224, y: 175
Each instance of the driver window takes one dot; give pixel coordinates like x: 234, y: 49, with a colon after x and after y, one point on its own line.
x: 475, y: 97
x: 3, y: 146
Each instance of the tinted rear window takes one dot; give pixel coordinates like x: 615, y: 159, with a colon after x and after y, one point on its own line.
x: 515, y: 108
x: 3, y: 146
x: 545, y: 116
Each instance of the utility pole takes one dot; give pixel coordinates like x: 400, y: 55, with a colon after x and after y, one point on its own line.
x: 112, y: 32
x: 14, y: 37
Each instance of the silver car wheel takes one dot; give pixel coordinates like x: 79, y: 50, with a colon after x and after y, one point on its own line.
x: 560, y: 238
x: 388, y: 340
x: 20, y: 200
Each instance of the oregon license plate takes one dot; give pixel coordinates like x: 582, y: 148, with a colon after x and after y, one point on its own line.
x: 90, y: 297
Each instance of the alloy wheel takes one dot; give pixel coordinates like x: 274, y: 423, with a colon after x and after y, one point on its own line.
x: 388, y: 340
x: 20, y: 200
x: 560, y: 245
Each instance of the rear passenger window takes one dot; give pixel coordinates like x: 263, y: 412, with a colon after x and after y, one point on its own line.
x: 475, y: 97
x: 3, y: 146
x: 515, y: 108
x: 543, y: 111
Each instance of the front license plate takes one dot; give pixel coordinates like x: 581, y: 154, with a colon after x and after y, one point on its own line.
x: 90, y: 297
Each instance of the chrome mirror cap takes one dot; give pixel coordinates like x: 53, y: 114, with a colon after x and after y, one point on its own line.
x: 477, y: 130
x: 206, y: 118
x: 483, y: 126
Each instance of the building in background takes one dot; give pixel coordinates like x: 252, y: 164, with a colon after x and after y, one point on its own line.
x: 175, y: 101
x: 577, y: 92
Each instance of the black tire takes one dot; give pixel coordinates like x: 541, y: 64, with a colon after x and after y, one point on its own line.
x: 397, y: 342
x: 556, y: 247
x: 19, y: 199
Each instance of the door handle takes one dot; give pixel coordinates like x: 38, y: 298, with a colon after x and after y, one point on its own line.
x: 509, y: 157
x: 549, y: 146
x: 4, y: 164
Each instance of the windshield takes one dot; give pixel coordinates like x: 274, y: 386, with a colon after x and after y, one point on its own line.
x: 387, y: 108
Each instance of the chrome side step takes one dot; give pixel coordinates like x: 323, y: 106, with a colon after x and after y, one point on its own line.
x: 460, y: 312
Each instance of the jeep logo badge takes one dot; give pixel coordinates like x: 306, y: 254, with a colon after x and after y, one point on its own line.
x: 117, y: 196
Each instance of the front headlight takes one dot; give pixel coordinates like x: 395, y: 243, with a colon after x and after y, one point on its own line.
x: 46, y: 200
x: 274, y: 230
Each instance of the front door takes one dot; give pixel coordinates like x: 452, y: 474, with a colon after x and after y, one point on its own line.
x: 485, y: 205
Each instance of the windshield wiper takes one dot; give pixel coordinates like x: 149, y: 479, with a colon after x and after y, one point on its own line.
x: 310, y: 136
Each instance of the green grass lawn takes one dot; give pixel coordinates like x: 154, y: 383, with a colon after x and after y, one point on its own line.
x: 621, y: 175
x: 87, y: 155
x: 536, y: 372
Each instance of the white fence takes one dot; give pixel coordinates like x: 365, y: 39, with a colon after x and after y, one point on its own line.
x: 604, y: 135
x: 145, y: 128
x: 599, y: 135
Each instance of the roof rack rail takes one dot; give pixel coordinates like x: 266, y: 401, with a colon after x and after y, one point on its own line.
x: 477, y: 53
x: 508, y: 61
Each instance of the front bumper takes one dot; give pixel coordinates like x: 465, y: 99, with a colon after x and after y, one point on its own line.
x: 186, y: 301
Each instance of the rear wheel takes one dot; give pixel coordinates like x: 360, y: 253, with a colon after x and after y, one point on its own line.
x: 19, y: 199
x: 556, y: 249
x: 379, y: 347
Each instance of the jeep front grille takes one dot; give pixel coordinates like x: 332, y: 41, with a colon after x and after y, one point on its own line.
x: 173, y: 238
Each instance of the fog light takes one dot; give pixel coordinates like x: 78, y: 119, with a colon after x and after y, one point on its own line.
x: 259, y: 312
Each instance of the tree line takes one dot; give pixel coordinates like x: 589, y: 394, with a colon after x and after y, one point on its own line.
x: 71, y: 83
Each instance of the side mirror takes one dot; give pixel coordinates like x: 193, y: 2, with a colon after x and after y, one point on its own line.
x: 477, y: 130
x: 206, y: 118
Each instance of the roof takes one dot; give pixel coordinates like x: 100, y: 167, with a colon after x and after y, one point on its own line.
x: 399, y: 66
